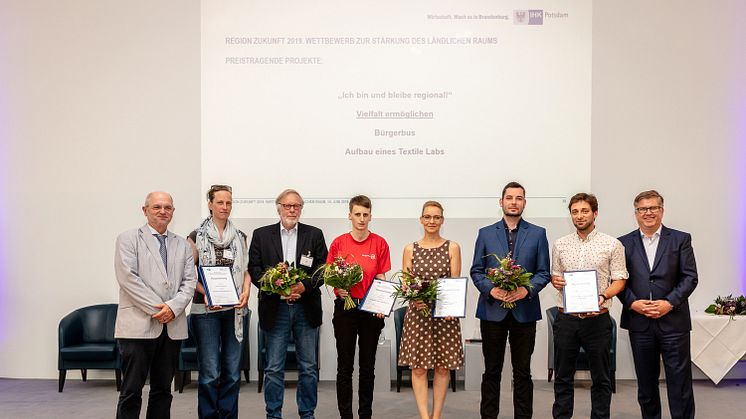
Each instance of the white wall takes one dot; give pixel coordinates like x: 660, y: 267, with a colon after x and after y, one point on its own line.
x: 100, y: 103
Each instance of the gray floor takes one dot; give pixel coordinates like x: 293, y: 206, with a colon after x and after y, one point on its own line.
x: 97, y: 399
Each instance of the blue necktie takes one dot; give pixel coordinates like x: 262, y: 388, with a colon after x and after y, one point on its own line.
x: 164, y: 255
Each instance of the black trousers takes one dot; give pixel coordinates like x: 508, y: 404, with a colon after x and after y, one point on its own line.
x: 522, y: 337
x: 594, y: 335
x: 647, y: 349
x: 348, y: 326
x: 140, y: 358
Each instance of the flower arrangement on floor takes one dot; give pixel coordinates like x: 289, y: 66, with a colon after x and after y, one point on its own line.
x: 280, y: 278
x: 342, y: 275
x: 412, y: 288
x: 728, y: 306
x: 508, y: 276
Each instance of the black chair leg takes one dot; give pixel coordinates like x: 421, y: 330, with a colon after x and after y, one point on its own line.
x: 246, y: 375
x: 84, y: 373
x: 549, y: 375
x: 613, y: 382
x: 182, y: 379
x: 398, y: 381
x: 453, y: 380
x: 118, y: 379
x: 62, y: 380
x: 260, y: 381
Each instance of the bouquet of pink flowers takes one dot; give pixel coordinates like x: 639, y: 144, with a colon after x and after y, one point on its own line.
x: 343, y: 275
x: 280, y: 278
x: 508, y: 276
x: 414, y: 288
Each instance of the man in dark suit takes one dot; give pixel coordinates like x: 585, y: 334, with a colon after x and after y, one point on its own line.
x: 299, y: 313
x: 528, y: 245
x: 662, y: 275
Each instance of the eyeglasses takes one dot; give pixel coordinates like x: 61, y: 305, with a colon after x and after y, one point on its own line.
x: 288, y: 207
x: 643, y: 210
x: 166, y: 208
x: 432, y: 217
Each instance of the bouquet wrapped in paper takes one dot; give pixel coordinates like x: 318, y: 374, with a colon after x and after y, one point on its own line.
x: 343, y: 275
x: 414, y: 288
x: 508, y: 276
x: 280, y: 278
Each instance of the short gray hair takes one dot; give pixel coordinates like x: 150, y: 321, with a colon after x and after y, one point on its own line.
x: 285, y: 193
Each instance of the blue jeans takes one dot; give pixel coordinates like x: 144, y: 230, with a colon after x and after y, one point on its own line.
x: 219, y: 356
x: 291, y: 318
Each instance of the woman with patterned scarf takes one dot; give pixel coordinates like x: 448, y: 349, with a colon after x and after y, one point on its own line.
x: 219, y: 330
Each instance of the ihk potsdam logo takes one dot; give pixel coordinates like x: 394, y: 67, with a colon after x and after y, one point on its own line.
x: 528, y: 17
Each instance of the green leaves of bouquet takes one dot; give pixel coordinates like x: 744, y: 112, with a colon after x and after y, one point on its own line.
x: 508, y: 276
x: 343, y: 275
x: 414, y: 288
x: 281, y: 277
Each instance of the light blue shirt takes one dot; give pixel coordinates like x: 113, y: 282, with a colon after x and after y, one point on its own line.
x: 651, y: 245
x: 289, y: 243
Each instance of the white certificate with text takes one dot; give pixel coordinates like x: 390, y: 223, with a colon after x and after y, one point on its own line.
x: 219, y: 287
x: 580, y: 293
x: 380, y: 297
x: 451, y: 300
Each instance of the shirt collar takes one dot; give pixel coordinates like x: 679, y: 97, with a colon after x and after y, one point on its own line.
x: 153, y: 231
x: 588, y: 238
x: 655, y: 235
x: 517, y: 226
x: 292, y: 230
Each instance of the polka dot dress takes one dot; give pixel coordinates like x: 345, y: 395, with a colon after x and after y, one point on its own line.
x: 427, y: 342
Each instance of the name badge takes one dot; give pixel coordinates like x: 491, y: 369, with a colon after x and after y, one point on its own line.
x: 227, y: 254
x: 306, y: 260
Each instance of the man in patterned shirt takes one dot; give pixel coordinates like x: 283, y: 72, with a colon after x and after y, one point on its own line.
x: 585, y: 249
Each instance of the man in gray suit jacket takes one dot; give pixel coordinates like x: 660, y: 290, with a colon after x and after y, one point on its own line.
x: 156, y: 276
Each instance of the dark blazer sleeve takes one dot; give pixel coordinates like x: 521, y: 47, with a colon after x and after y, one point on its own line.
x: 319, y: 253
x: 257, y: 264
x: 687, y: 272
x: 479, y: 265
x: 541, y: 276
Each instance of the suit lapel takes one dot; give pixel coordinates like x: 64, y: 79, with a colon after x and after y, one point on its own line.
x: 153, y: 248
x: 664, y: 242
x: 502, y: 241
x: 171, y: 256
x: 277, y: 242
x: 640, y: 249
x: 301, y: 242
x: 520, y: 237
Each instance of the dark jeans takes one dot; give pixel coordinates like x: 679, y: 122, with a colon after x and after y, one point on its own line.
x: 140, y: 358
x: 348, y: 325
x: 593, y: 334
x: 647, y: 349
x: 219, y: 359
x: 522, y: 337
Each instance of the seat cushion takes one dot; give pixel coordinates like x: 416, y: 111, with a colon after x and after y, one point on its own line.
x: 90, y: 352
x: 189, y: 354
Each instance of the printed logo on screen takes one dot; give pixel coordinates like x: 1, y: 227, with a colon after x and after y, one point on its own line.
x: 528, y: 17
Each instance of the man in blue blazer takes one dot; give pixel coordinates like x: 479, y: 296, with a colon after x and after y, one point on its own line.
x: 528, y: 245
x: 662, y: 275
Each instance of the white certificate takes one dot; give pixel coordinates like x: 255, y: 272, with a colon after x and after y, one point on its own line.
x: 580, y: 293
x: 451, y: 300
x: 380, y: 297
x: 219, y: 287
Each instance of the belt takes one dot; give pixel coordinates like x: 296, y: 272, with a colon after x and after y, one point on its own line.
x: 585, y: 315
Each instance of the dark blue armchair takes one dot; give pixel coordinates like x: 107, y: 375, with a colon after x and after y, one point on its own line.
x: 86, y: 341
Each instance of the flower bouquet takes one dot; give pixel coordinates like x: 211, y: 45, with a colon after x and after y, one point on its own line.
x: 280, y: 278
x: 343, y: 275
x: 414, y: 288
x: 508, y: 276
x: 728, y: 306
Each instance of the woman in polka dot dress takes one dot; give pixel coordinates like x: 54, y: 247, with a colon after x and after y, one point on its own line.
x: 430, y: 343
